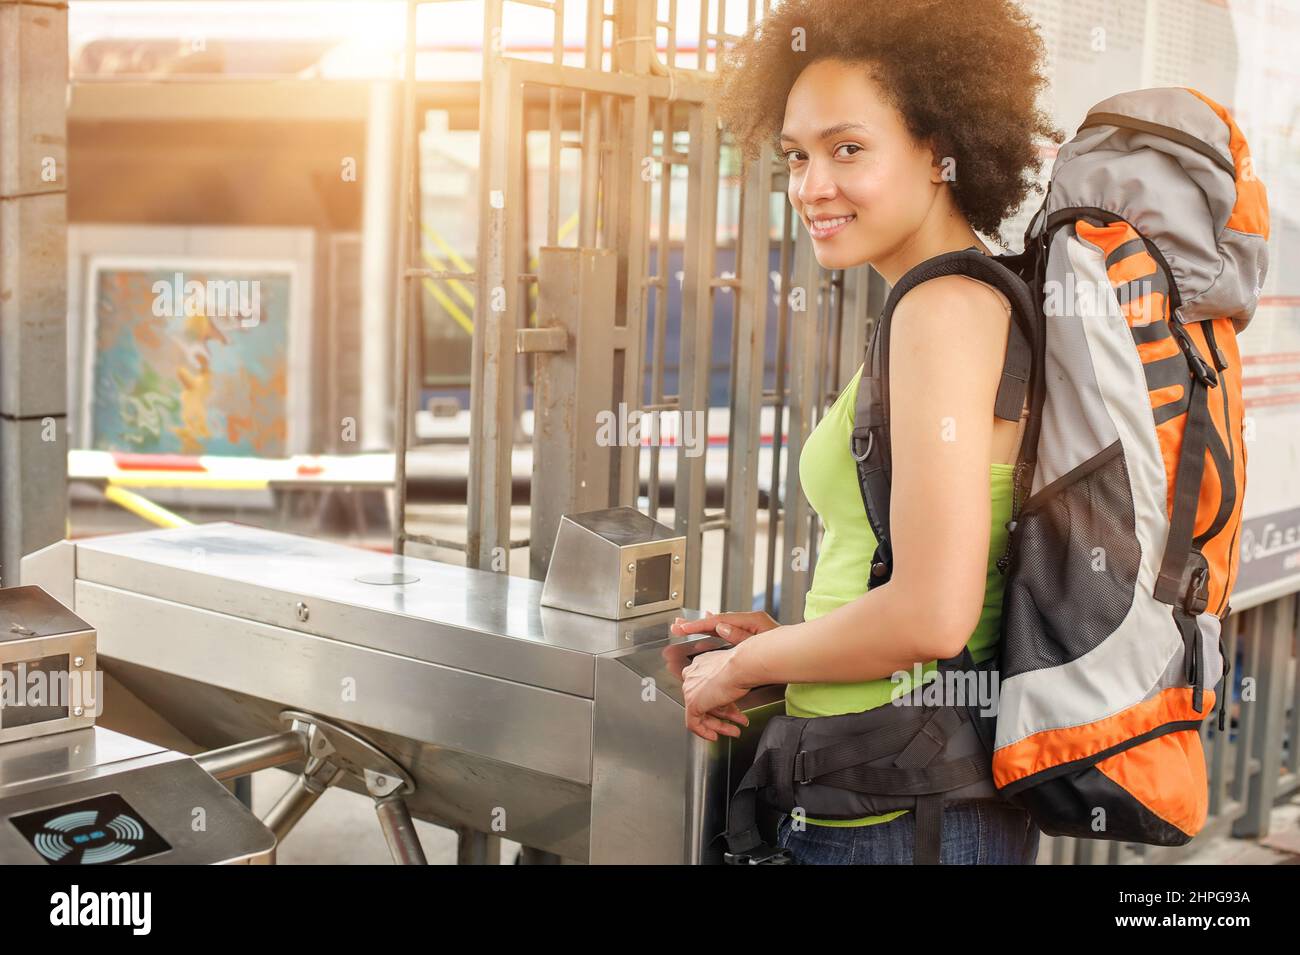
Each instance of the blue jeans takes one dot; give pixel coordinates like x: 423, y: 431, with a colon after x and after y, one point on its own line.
x: 975, y: 832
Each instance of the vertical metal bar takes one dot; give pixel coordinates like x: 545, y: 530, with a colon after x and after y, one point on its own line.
x: 703, y: 35
x: 690, y: 490
x: 477, y: 848
x: 632, y: 140
x: 803, y: 400
x: 589, y: 176
x: 589, y: 182
x: 526, y: 316
x: 747, y: 386
x: 1218, y: 760
x: 497, y: 305
x: 595, y: 28
x: 823, y: 309
x: 554, y: 131
x: 1247, y: 723
x: 662, y: 291
x: 632, y: 20
x: 557, y: 33
x: 777, y: 491
x: 1276, y: 636
x: 611, y: 171
x: 857, y: 293
x: 406, y: 240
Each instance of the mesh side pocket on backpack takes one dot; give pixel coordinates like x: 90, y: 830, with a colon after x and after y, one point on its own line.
x: 1075, y: 568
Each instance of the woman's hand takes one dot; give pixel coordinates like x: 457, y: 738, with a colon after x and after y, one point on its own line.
x: 732, y: 627
x: 711, y: 689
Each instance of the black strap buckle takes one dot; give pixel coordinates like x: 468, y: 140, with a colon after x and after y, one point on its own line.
x: 1204, y: 373
x: 799, y: 775
x: 1197, y: 597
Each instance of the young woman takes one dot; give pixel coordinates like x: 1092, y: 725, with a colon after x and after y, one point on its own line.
x: 908, y: 126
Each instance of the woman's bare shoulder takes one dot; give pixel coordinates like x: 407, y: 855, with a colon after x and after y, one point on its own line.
x: 948, y: 329
x: 952, y: 304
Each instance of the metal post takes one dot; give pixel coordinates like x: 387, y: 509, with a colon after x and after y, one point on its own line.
x: 1275, y: 638
x: 747, y: 396
x: 477, y: 848
x: 796, y: 570
x: 530, y: 856
x: 690, y: 489
x: 500, y: 299
x: 631, y: 238
x: 408, y: 218
x: 399, y: 831
x: 574, y: 378
x: 33, y: 280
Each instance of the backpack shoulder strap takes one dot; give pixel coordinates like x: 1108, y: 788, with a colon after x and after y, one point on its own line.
x: 870, y: 444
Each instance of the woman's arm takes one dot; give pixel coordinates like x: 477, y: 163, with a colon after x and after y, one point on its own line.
x: 948, y: 341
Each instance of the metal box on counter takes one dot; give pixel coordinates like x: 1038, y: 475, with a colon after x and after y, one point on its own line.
x: 47, y: 666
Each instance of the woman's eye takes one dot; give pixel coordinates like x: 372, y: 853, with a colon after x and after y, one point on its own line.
x: 791, y: 155
x: 854, y: 146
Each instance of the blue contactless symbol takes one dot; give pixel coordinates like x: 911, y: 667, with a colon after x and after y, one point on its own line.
x: 68, y: 832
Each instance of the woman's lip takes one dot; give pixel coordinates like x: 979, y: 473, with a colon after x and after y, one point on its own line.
x: 818, y: 233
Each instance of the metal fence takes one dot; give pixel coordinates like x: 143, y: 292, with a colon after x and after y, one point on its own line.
x: 634, y: 119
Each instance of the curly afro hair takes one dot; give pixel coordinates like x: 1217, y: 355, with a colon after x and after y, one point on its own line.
x: 964, y: 76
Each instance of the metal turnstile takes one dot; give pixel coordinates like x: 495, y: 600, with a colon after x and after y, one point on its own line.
x: 558, y: 730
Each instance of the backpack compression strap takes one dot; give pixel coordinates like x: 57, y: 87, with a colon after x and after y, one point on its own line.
x: 1184, y: 574
x: 870, y: 443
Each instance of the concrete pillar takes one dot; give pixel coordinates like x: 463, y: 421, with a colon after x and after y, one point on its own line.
x: 33, y: 279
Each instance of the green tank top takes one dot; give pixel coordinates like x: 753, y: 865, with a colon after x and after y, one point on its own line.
x: 829, y: 478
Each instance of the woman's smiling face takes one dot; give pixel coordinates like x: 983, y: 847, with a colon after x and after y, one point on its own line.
x: 858, y: 180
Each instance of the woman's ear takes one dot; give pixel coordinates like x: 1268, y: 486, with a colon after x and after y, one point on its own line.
x: 943, y: 166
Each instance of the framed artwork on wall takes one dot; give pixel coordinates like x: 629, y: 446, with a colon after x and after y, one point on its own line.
x: 193, y: 354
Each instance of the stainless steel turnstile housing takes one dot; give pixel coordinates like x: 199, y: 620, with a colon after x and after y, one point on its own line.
x: 558, y: 730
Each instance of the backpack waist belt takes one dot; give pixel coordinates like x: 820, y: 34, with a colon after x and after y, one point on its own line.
x: 893, y: 757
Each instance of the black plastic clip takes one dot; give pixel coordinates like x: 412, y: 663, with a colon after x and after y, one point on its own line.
x: 799, y: 775
x: 1197, y: 597
x: 1203, y: 372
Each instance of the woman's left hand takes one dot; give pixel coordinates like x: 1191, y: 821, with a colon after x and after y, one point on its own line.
x: 711, y: 690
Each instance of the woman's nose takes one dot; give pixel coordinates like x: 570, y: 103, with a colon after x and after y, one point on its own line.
x: 816, y: 184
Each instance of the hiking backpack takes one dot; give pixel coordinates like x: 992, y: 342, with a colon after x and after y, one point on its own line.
x: 1144, y: 262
